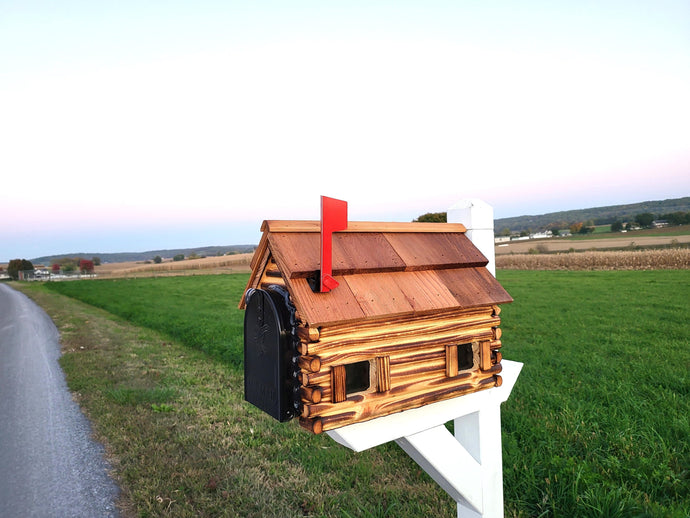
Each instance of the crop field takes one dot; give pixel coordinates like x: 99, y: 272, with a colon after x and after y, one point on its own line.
x: 593, y: 242
x: 207, y: 265
x: 662, y: 259
x: 597, y: 425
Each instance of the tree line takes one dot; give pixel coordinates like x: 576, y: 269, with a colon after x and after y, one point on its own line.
x: 75, y: 264
x: 642, y: 220
x: 64, y: 265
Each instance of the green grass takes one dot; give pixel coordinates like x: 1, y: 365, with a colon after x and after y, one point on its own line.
x: 597, y: 424
x: 604, y: 232
x: 199, y: 311
x: 184, y: 441
x: 602, y: 229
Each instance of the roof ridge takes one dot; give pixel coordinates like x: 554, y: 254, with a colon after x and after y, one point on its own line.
x: 362, y: 226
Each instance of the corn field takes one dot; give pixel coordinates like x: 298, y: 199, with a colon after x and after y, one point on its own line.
x: 667, y: 259
x: 208, y: 265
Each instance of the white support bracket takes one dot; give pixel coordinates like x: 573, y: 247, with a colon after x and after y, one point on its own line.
x: 448, y: 463
x: 468, y: 467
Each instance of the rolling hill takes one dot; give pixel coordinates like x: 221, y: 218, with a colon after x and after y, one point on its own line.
x: 600, y: 215
x: 122, y: 257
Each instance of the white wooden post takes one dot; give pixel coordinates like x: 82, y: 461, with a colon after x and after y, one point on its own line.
x: 469, y: 466
x: 478, y: 218
x: 480, y: 434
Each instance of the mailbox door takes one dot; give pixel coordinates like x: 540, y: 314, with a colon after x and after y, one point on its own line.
x: 267, y: 355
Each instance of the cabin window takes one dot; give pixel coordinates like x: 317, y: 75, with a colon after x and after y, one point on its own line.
x: 461, y: 357
x: 357, y: 377
x: 465, y: 357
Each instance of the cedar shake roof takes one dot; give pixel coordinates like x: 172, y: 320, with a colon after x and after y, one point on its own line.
x: 384, y: 270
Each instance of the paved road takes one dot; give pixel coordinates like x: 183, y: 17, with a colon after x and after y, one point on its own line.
x: 49, y: 465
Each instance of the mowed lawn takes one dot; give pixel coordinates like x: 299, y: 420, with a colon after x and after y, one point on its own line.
x: 597, y: 425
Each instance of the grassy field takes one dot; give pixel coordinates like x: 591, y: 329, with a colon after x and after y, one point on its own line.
x: 597, y: 424
x: 604, y: 231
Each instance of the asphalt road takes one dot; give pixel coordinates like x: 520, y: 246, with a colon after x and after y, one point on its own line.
x: 49, y: 465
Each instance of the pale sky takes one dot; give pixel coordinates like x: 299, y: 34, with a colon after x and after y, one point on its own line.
x: 132, y: 126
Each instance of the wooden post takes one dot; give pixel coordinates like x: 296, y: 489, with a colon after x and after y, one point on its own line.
x: 478, y: 218
x: 479, y: 433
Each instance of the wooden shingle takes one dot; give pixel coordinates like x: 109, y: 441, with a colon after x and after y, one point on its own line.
x: 384, y: 269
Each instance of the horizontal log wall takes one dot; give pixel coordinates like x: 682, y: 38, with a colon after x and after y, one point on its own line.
x: 393, y: 332
x: 367, y: 404
x: 400, y: 374
x: 410, y: 362
x: 357, y: 408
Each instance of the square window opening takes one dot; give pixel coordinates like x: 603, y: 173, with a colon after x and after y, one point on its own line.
x: 357, y: 377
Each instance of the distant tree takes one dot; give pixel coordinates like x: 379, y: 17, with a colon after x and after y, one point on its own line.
x: 18, y: 265
x: 587, y: 229
x: 55, y: 268
x: 576, y: 227
x: 555, y: 231
x: 645, y: 219
x: 616, y: 226
x: 157, y: 259
x: 433, y: 217
x: 179, y: 257
x: 193, y: 255
x: 677, y: 218
x: 96, y: 261
x: 85, y: 266
x: 68, y: 264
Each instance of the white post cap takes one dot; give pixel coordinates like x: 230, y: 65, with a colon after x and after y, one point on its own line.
x: 474, y: 213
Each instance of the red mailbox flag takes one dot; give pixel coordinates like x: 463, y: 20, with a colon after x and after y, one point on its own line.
x: 333, y: 218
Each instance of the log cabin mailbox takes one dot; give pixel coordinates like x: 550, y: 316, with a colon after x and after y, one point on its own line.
x: 411, y: 318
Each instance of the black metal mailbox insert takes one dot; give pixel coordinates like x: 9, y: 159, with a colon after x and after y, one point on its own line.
x: 270, y: 361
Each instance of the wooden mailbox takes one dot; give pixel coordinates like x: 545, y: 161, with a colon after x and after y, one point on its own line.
x: 414, y: 319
